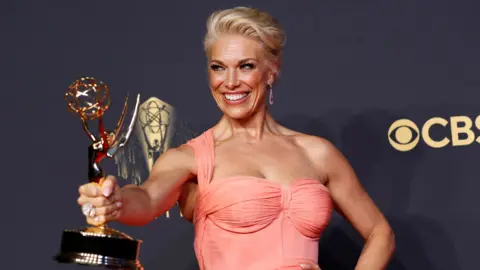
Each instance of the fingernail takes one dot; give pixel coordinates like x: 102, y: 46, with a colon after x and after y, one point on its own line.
x: 305, y: 266
x: 107, y: 192
x: 118, y: 204
x: 96, y: 219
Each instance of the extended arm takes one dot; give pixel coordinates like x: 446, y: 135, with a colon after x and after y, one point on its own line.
x: 141, y: 204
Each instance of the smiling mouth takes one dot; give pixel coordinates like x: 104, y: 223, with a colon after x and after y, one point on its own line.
x: 236, y: 97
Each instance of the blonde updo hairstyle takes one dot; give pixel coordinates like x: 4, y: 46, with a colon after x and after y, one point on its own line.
x: 251, y: 23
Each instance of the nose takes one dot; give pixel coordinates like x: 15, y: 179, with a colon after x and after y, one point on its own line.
x: 232, y: 79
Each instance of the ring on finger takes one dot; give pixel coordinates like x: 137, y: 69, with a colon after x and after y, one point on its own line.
x: 92, y: 212
x: 88, y: 210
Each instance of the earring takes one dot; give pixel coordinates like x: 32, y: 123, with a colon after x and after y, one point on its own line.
x: 271, y: 95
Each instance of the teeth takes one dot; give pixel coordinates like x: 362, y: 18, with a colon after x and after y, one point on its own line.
x: 234, y: 97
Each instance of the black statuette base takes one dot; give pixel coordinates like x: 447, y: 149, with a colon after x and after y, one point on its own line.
x: 99, y: 246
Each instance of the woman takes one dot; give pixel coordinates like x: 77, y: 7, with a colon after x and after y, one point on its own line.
x: 261, y: 193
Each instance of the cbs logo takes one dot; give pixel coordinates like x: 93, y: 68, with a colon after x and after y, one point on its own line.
x: 404, y: 135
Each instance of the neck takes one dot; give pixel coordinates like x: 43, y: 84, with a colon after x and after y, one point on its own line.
x: 253, y: 128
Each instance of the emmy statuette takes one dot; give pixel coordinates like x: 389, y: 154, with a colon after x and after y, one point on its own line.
x: 99, y: 245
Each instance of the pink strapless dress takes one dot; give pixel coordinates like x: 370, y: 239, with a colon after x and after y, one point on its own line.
x: 249, y: 223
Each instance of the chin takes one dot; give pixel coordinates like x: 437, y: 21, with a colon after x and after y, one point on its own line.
x: 237, y: 113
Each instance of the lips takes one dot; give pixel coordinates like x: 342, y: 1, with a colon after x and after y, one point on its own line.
x: 236, y: 98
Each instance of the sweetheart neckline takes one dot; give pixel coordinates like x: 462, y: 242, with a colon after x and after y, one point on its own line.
x: 269, y: 182
x: 210, y: 136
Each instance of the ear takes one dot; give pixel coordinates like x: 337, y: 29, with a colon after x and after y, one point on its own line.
x: 272, y: 75
x: 271, y: 79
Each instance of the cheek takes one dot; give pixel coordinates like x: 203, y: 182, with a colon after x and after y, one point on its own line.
x: 253, y: 79
x: 215, y: 80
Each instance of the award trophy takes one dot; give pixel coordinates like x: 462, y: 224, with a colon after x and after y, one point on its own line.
x: 99, y: 245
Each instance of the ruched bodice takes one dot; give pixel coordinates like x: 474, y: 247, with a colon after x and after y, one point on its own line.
x: 246, y: 222
x: 246, y: 204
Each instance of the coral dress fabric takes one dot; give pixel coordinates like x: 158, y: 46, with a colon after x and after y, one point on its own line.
x: 250, y: 223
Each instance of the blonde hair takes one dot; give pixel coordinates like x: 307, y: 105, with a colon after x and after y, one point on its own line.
x: 248, y: 22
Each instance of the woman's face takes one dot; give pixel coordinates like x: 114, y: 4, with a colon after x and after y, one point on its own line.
x: 238, y: 75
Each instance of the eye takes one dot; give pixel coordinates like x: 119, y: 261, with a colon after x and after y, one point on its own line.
x: 215, y: 67
x: 247, y: 66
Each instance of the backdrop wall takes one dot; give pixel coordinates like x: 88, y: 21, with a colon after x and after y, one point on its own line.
x: 351, y: 70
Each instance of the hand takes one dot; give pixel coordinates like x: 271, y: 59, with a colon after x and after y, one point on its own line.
x: 100, y: 202
x: 310, y: 266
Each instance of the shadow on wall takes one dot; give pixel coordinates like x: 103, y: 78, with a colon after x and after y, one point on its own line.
x: 175, y: 250
x: 387, y: 175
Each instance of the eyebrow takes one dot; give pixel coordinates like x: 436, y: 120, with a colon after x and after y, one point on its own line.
x: 239, y: 62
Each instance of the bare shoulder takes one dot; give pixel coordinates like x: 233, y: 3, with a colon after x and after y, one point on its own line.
x: 181, y: 157
x: 317, y: 148
x: 183, y: 152
x: 183, y: 149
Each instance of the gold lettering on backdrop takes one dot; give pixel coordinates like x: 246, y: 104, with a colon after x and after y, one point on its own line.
x: 404, y: 135
x: 426, y: 132
x: 477, y: 125
x: 466, y: 129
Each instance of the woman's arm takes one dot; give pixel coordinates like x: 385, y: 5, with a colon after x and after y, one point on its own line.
x: 357, y: 207
x: 187, y: 199
x: 141, y: 204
